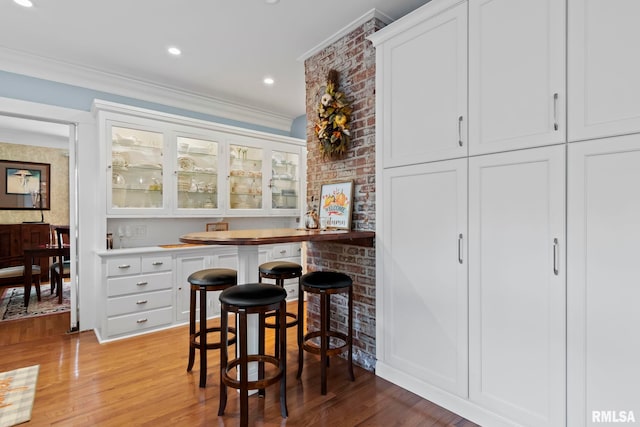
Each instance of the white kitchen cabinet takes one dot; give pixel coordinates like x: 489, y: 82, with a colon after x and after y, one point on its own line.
x: 603, y: 68
x: 138, y: 295
x: 197, y: 173
x: 517, y: 284
x: 516, y: 74
x: 422, y: 294
x: 603, y: 288
x: 135, y: 171
x: 159, y: 165
x: 422, y: 86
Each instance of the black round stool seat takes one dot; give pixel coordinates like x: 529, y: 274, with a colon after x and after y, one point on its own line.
x: 252, y: 298
x: 326, y: 280
x: 280, y: 271
x: 203, y: 281
x: 326, y: 283
x: 253, y: 295
x: 213, y: 277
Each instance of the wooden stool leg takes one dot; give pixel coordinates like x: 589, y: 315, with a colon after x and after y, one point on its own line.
x: 300, y: 328
x: 203, y: 337
x: 324, y: 342
x: 224, y: 342
x: 192, y: 328
x: 282, y: 331
x: 350, y: 334
x: 244, y: 371
x: 261, y: 338
x: 279, y: 282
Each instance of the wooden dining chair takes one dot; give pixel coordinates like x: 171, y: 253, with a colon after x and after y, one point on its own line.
x: 61, y: 267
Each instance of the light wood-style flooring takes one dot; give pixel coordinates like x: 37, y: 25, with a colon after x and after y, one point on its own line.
x: 142, y: 381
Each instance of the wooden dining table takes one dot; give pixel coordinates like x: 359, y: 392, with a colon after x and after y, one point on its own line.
x: 248, y: 242
x: 39, y: 251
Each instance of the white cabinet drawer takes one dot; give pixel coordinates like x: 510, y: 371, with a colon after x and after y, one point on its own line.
x: 138, y: 302
x: 286, y: 251
x: 136, y: 284
x: 123, y: 266
x: 132, y: 323
x: 151, y: 264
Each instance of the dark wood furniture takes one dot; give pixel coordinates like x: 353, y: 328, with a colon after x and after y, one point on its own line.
x: 14, y: 237
x: 325, y: 284
x: 201, y: 282
x: 41, y: 252
x: 279, y: 271
x: 252, y: 298
x: 61, y: 266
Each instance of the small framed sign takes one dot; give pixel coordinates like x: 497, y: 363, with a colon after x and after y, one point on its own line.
x: 336, y: 203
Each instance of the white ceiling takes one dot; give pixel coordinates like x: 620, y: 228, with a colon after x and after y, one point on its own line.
x: 228, y: 46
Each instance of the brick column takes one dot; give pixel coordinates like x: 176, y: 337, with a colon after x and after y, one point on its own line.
x: 354, y: 58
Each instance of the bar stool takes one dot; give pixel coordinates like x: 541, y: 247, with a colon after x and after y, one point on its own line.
x: 252, y: 298
x: 325, y: 283
x: 280, y: 271
x: 203, y: 281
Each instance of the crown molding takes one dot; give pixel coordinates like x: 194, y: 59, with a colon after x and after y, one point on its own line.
x: 373, y: 13
x: 50, y: 69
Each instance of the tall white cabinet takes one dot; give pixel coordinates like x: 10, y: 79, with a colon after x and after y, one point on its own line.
x: 434, y: 53
x: 426, y: 261
x: 516, y: 74
x: 603, y: 68
x: 603, y: 286
x: 517, y: 284
x: 506, y: 287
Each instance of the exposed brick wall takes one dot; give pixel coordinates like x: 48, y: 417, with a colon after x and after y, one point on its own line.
x: 354, y: 58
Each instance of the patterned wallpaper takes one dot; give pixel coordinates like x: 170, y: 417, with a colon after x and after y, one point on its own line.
x: 59, y: 161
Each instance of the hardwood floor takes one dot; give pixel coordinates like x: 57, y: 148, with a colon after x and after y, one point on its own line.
x: 142, y: 381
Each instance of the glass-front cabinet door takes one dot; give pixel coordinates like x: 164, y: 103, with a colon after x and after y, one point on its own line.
x: 284, y: 183
x: 136, y: 170
x: 245, y: 177
x: 197, y: 174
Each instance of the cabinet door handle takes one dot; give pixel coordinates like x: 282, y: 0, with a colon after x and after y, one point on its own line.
x: 142, y: 283
x: 142, y: 301
x: 123, y: 266
x: 555, y: 111
x: 460, y: 248
x: 157, y: 263
x: 556, y: 260
x: 460, y: 130
x: 142, y: 320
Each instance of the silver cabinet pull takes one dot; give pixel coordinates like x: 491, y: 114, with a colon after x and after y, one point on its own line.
x: 123, y: 266
x: 555, y: 111
x: 157, y: 263
x: 142, y: 283
x: 460, y: 130
x: 460, y: 248
x: 142, y: 320
x: 283, y: 252
x: 556, y: 253
x: 142, y: 301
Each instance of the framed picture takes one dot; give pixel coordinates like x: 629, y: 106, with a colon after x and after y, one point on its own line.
x: 336, y: 204
x: 26, y: 185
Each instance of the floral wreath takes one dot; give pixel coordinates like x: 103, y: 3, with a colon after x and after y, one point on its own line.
x: 334, y: 112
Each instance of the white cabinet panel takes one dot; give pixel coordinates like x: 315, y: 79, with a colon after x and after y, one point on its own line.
x: 517, y: 285
x: 516, y: 74
x: 422, y: 329
x: 424, y: 87
x: 603, y: 287
x: 603, y: 68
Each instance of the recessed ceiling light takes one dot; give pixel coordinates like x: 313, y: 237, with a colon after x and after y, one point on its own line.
x: 268, y: 81
x: 174, y: 51
x: 271, y: 1
x: 24, y: 3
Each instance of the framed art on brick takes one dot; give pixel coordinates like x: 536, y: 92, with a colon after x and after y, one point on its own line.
x: 336, y: 203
